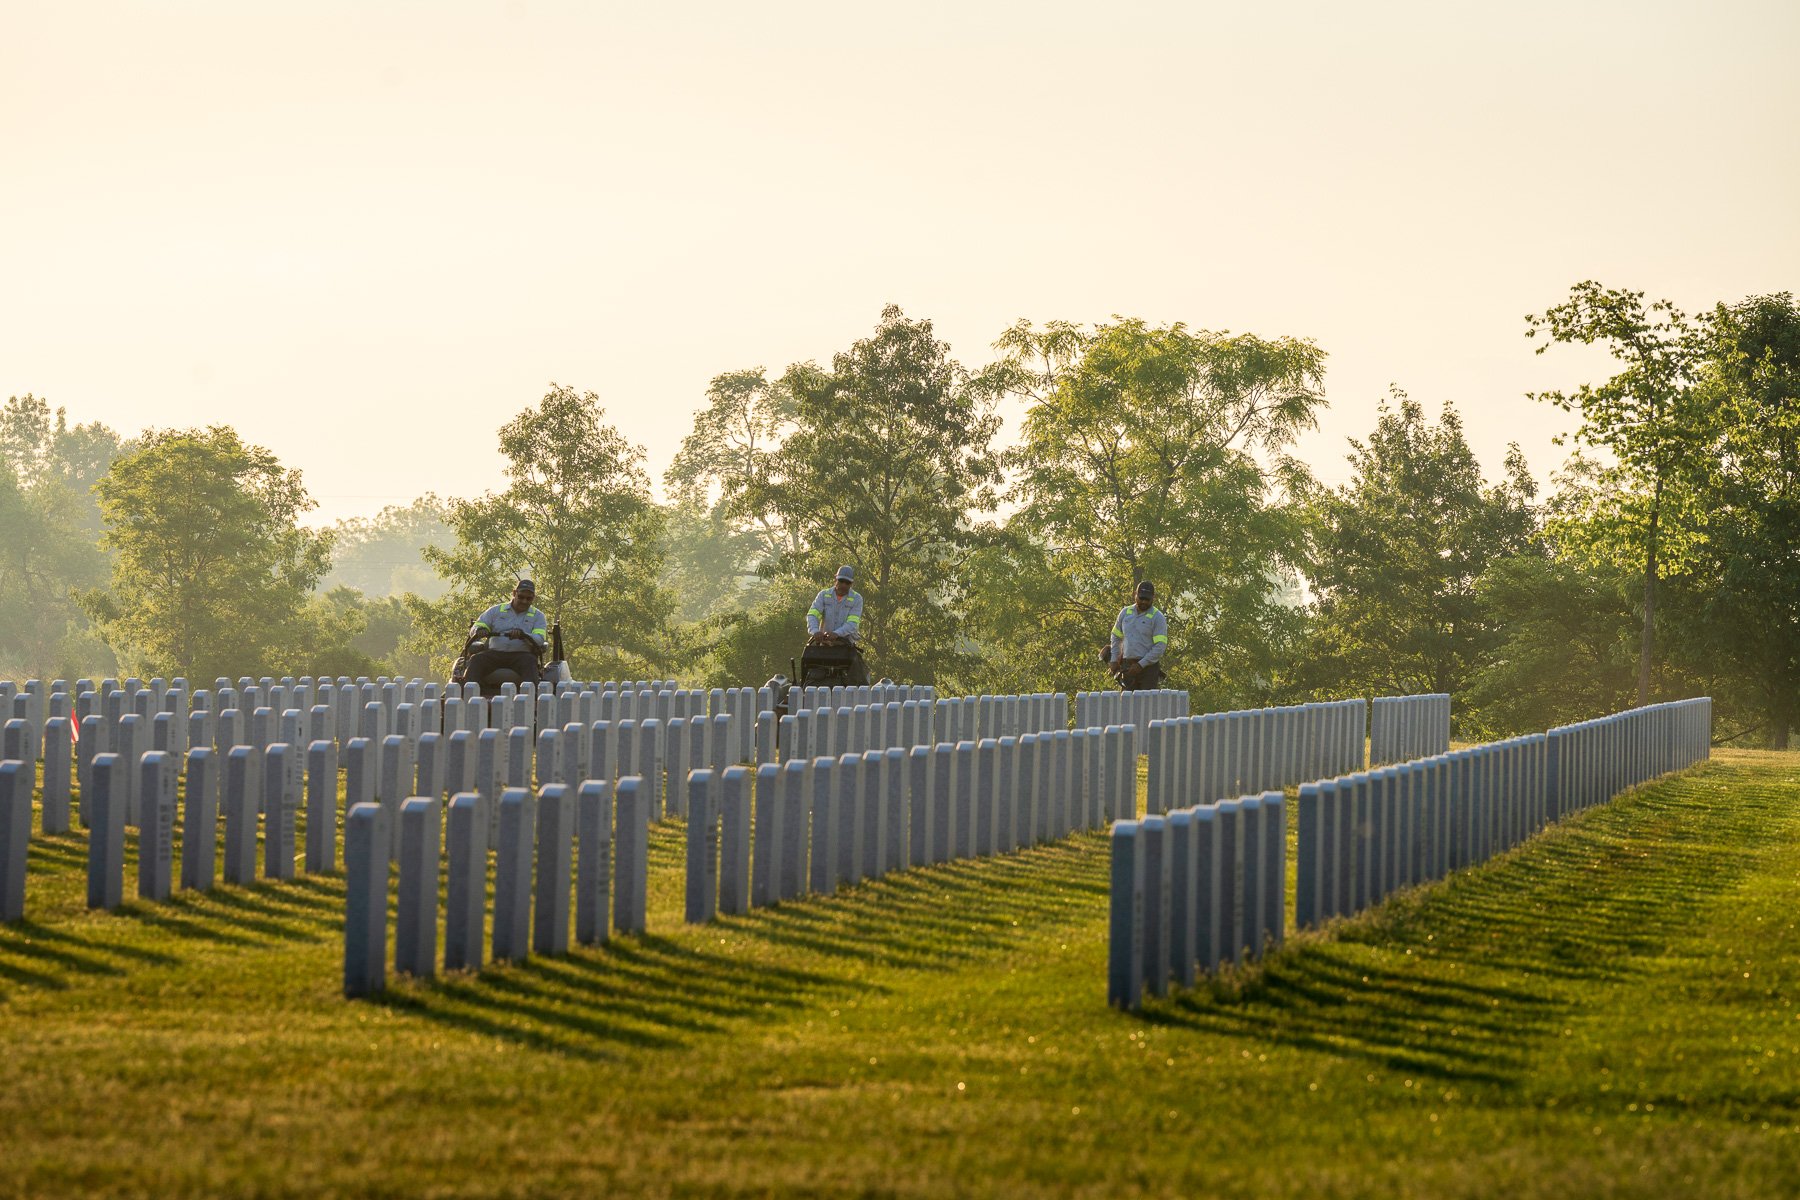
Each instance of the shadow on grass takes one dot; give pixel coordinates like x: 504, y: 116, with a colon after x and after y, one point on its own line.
x: 56, y: 853
x: 656, y: 992
x: 637, y: 993
x: 266, y: 916
x: 248, y: 917
x: 1461, y: 980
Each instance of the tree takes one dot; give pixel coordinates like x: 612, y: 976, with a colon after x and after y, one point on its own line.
x: 211, y: 567
x: 1563, y: 649
x: 758, y: 642
x: 1647, y: 416
x: 1401, y: 547
x: 727, y: 458
x: 705, y: 560
x: 1741, y: 599
x: 384, y: 555
x: 889, y: 456
x: 1158, y: 453
x: 49, y: 526
x: 343, y: 632
x: 576, y: 517
x: 43, y: 450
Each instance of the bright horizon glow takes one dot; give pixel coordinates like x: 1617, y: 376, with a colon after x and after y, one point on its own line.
x: 366, y: 236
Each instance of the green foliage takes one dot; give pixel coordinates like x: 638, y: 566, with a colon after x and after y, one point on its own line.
x: 1741, y: 602
x: 1030, y: 633
x: 889, y: 458
x: 384, y: 555
x: 49, y: 523
x: 577, y: 518
x: 1563, y: 646
x: 1649, y: 416
x: 1400, y: 548
x: 725, y: 462
x: 705, y: 560
x: 211, y: 568
x: 343, y: 632
x: 1154, y: 453
x: 1646, y: 415
x: 752, y: 645
x: 1703, y: 498
x: 718, y: 534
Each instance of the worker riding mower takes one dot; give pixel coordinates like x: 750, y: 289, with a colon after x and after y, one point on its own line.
x: 494, y: 680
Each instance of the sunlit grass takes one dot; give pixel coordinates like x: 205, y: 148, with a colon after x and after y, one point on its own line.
x: 1613, y: 1008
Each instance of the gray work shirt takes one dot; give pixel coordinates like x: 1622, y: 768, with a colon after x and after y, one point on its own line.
x: 842, y: 617
x: 506, y: 624
x: 1140, y: 635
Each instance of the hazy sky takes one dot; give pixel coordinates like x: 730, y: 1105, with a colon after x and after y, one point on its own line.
x: 367, y: 234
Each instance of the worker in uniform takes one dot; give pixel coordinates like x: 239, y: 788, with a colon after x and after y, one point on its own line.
x: 1140, y: 637
x: 517, y: 634
x: 835, y: 618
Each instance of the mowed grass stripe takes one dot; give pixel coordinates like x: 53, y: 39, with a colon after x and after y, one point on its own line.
x: 1488, y: 1035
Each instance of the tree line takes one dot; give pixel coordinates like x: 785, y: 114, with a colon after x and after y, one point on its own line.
x: 1659, y: 564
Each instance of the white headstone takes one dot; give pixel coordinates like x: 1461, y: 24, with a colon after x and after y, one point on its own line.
x: 415, y: 932
x: 466, y: 837
x: 366, y: 841
x: 555, y: 845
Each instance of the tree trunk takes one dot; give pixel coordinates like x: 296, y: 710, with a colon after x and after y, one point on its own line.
x: 1646, y: 649
x: 1781, y: 722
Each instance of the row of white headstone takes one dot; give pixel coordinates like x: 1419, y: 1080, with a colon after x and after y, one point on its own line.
x: 827, y: 820
x: 394, y: 739
x: 156, y: 716
x: 815, y: 727
x: 301, y: 711
x: 241, y: 786
x: 591, y: 841
x: 1403, y: 728
x: 123, y: 790
x: 808, y: 827
x: 949, y: 718
x: 1589, y: 762
x: 849, y: 695
x: 141, y: 717
x: 1220, y: 755
x: 1363, y: 836
x: 1366, y: 835
x: 1130, y: 708
x: 1194, y: 889
x: 427, y: 704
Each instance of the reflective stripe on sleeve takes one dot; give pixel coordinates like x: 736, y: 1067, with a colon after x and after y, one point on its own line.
x: 813, y: 612
x: 1161, y: 637
x: 854, y: 620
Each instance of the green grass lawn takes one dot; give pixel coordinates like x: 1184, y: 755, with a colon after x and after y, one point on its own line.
x: 1611, y: 1010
